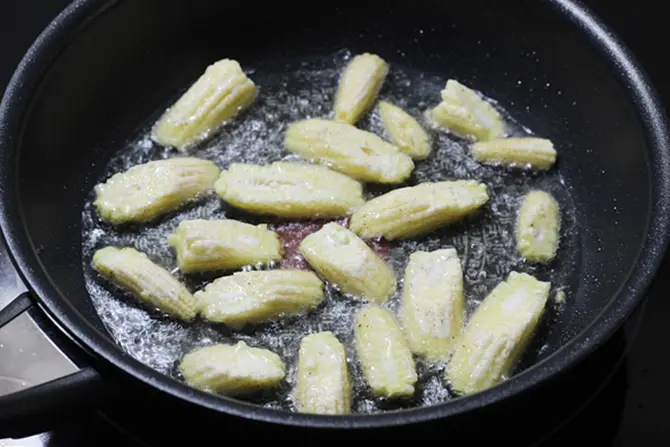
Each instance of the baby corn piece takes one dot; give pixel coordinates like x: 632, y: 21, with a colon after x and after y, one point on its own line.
x: 537, y: 154
x: 259, y: 296
x: 538, y: 227
x: 405, y: 131
x: 385, y: 358
x: 323, y: 385
x: 466, y: 114
x: 289, y: 190
x: 431, y: 309
x: 206, y: 245
x: 218, y: 95
x: 497, y: 334
x: 416, y: 210
x: 344, y: 259
x: 147, y: 191
x: 232, y: 369
x: 358, y: 88
x: 342, y: 147
x: 133, y: 271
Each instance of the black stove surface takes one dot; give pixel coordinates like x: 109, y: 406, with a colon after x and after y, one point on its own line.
x: 617, y: 397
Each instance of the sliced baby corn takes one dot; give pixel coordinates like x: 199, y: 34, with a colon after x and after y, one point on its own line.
x: 342, y: 147
x: 431, y: 309
x: 147, y: 191
x: 465, y: 113
x: 289, y: 190
x: 207, y: 245
x: 405, y: 131
x: 538, y: 227
x: 259, y: 296
x: 417, y: 210
x: 232, y: 369
x: 497, y: 334
x: 133, y: 271
x: 323, y: 385
x: 385, y: 357
x: 358, y: 88
x: 537, y: 154
x: 344, y: 259
x: 218, y: 95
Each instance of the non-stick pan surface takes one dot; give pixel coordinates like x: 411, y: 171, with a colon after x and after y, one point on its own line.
x: 104, y: 68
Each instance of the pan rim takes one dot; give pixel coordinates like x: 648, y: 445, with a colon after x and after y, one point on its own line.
x: 61, y: 32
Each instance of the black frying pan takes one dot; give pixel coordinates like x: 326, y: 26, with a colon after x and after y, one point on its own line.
x: 103, y: 68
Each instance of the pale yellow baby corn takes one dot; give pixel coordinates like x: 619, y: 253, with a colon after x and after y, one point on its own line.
x: 323, y: 385
x: 466, y: 114
x: 417, y: 210
x: 385, y: 357
x: 290, y: 190
x: 151, y: 284
x: 232, y: 369
x: 218, y: 95
x: 344, y: 148
x: 207, y: 245
x: 536, y: 154
x: 150, y: 190
x: 432, y: 306
x: 344, y: 259
x: 359, y: 85
x: 259, y: 296
x: 497, y: 334
x: 405, y: 131
x: 538, y: 227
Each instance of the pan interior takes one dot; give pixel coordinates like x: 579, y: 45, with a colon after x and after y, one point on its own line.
x: 107, y: 85
x: 290, y: 90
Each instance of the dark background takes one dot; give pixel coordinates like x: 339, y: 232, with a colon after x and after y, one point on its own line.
x: 642, y: 25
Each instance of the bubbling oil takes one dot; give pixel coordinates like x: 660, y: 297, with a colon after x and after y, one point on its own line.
x: 305, y: 89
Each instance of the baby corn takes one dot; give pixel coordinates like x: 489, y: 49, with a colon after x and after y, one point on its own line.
x: 358, y: 88
x: 405, y: 131
x: 207, y: 245
x: 218, y: 95
x: 232, y: 369
x: 417, y: 210
x: 497, y: 334
x: 344, y: 259
x: 535, y: 154
x: 385, y: 358
x: 466, y: 114
x: 538, y: 227
x: 289, y: 190
x: 323, y: 385
x: 431, y: 310
x: 342, y: 147
x: 259, y: 296
x: 133, y: 271
x: 150, y: 190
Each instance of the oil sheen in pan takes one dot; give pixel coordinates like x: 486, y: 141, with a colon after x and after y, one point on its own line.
x: 293, y: 90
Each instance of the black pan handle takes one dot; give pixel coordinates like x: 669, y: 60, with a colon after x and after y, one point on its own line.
x: 42, y: 407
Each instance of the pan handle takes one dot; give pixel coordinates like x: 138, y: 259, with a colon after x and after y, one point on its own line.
x: 41, y: 386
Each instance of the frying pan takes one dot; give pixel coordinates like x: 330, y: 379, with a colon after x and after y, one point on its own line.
x: 104, y: 66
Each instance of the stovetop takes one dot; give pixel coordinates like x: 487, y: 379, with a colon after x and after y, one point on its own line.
x: 618, y: 397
